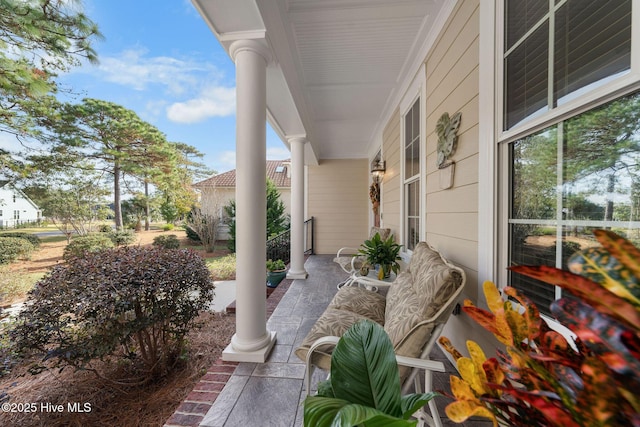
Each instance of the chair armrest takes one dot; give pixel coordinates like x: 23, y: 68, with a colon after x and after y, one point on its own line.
x: 414, y: 362
x: 348, y: 251
x: 328, y: 340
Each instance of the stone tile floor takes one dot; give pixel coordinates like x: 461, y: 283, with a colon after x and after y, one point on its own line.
x: 271, y: 394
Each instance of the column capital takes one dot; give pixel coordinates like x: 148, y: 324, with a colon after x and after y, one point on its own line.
x: 298, y: 139
x: 253, y: 45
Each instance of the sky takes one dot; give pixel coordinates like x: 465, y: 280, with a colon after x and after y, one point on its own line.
x: 159, y: 59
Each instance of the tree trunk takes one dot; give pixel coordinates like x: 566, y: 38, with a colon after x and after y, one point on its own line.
x: 117, y: 209
x: 147, y: 208
x: 611, y: 186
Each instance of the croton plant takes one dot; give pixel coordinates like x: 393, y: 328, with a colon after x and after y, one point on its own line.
x: 542, y: 378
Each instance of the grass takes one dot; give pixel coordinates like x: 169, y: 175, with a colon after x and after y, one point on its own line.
x: 222, y: 268
x: 14, y: 285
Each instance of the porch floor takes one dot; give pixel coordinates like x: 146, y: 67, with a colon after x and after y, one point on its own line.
x: 272, y: 393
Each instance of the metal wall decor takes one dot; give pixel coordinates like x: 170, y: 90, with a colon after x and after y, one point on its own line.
x: 447, y: 130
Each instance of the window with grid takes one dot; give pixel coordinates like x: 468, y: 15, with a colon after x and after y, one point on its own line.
x: 555, y: 50
x: 412, y: 176
x: 580, y: 173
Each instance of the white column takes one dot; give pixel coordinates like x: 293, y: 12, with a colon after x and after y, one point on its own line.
x: 296, y: 269
x: 251, y: 342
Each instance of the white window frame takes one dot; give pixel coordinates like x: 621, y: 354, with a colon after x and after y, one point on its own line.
x: 416, y: 90
x: 603, y: 93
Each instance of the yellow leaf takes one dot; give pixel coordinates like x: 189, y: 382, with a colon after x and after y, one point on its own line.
x: 494, y: 299
x: 460, y: 411
x: 477, y: 356
x: 475, y: 378
x: 460, y: 389
x: 504, y: 334
x: 517, y: 325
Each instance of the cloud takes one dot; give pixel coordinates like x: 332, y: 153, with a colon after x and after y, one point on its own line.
x: 277, y: 153
x: 225, y: 161
x: 134, y: 69
x: 212, y: 102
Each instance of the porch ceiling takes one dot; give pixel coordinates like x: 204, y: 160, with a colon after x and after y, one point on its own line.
x: 339, y: 64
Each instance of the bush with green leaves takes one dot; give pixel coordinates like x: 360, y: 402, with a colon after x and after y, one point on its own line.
x: 32, y: 238
x: 13, y: 248
x: 122, y: 237
x: 132, y: 303
x: 169, y: 241
x: 104, y: 228
x: 191, y: 234
x: 82, y: 245
x: 168, y: 227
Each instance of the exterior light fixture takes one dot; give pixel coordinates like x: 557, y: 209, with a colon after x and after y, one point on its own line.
x: 377, y: 170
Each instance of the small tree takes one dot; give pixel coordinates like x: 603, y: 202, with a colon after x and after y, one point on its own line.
x: 277, y: 220
x: 205, y: 219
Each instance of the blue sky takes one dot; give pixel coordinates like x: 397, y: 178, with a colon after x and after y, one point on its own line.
x: 159, y: 59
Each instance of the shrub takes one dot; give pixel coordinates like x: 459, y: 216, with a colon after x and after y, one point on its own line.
x: 133, y: 303
x: 104, y: 228
x: 82, y: 245
x: 168, y: 227
x: 122, y: 237
x: 191, y: 234
x: 167, y: 242
x: 12, y: 248
x: 544, y: 379
x: 32, y: 238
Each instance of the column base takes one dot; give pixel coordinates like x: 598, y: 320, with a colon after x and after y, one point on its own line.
x: 230, y: 354
x: 302, y: 274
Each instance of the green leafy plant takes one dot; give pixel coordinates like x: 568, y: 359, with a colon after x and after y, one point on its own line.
x: 169, y: 241
x: 382, y: 252
x: 12, y: 248
x: 82, y: 245
x: 122, y: 237
x: 32, y: 238
x: 132, y: 303
x: 277, y: 265
x: 543, y: 379
x: 364, y: 386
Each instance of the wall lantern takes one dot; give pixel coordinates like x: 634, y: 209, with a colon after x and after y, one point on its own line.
x: 377, y: 170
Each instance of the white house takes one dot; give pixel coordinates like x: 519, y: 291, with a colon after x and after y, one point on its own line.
x: 16, y: 207
x: 547, y: 145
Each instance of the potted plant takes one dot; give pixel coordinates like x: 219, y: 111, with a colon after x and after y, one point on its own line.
x: 364, y: 385
x: 382, y: 253
x: 276, y: 271
x: 544, y: 378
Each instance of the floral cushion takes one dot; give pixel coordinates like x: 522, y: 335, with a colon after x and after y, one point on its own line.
x: 415, y: 296
x: 333, y: 322
x: 360, y: 301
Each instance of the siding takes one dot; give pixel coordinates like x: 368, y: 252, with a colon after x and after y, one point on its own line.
x: 390, y: 196
x: 452, y: 85
x: 339, y: 202
x: 452, y: 215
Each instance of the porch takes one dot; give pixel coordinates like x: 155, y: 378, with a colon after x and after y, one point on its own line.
x: 272, y: 393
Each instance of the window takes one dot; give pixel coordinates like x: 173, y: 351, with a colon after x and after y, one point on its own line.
x: 412, y: 176
x: 0, y: 212
x: 16, y: 215
x: 553, y: 50
x: 582, y: 171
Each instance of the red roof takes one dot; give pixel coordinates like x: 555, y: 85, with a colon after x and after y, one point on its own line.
x: 279, y: 171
